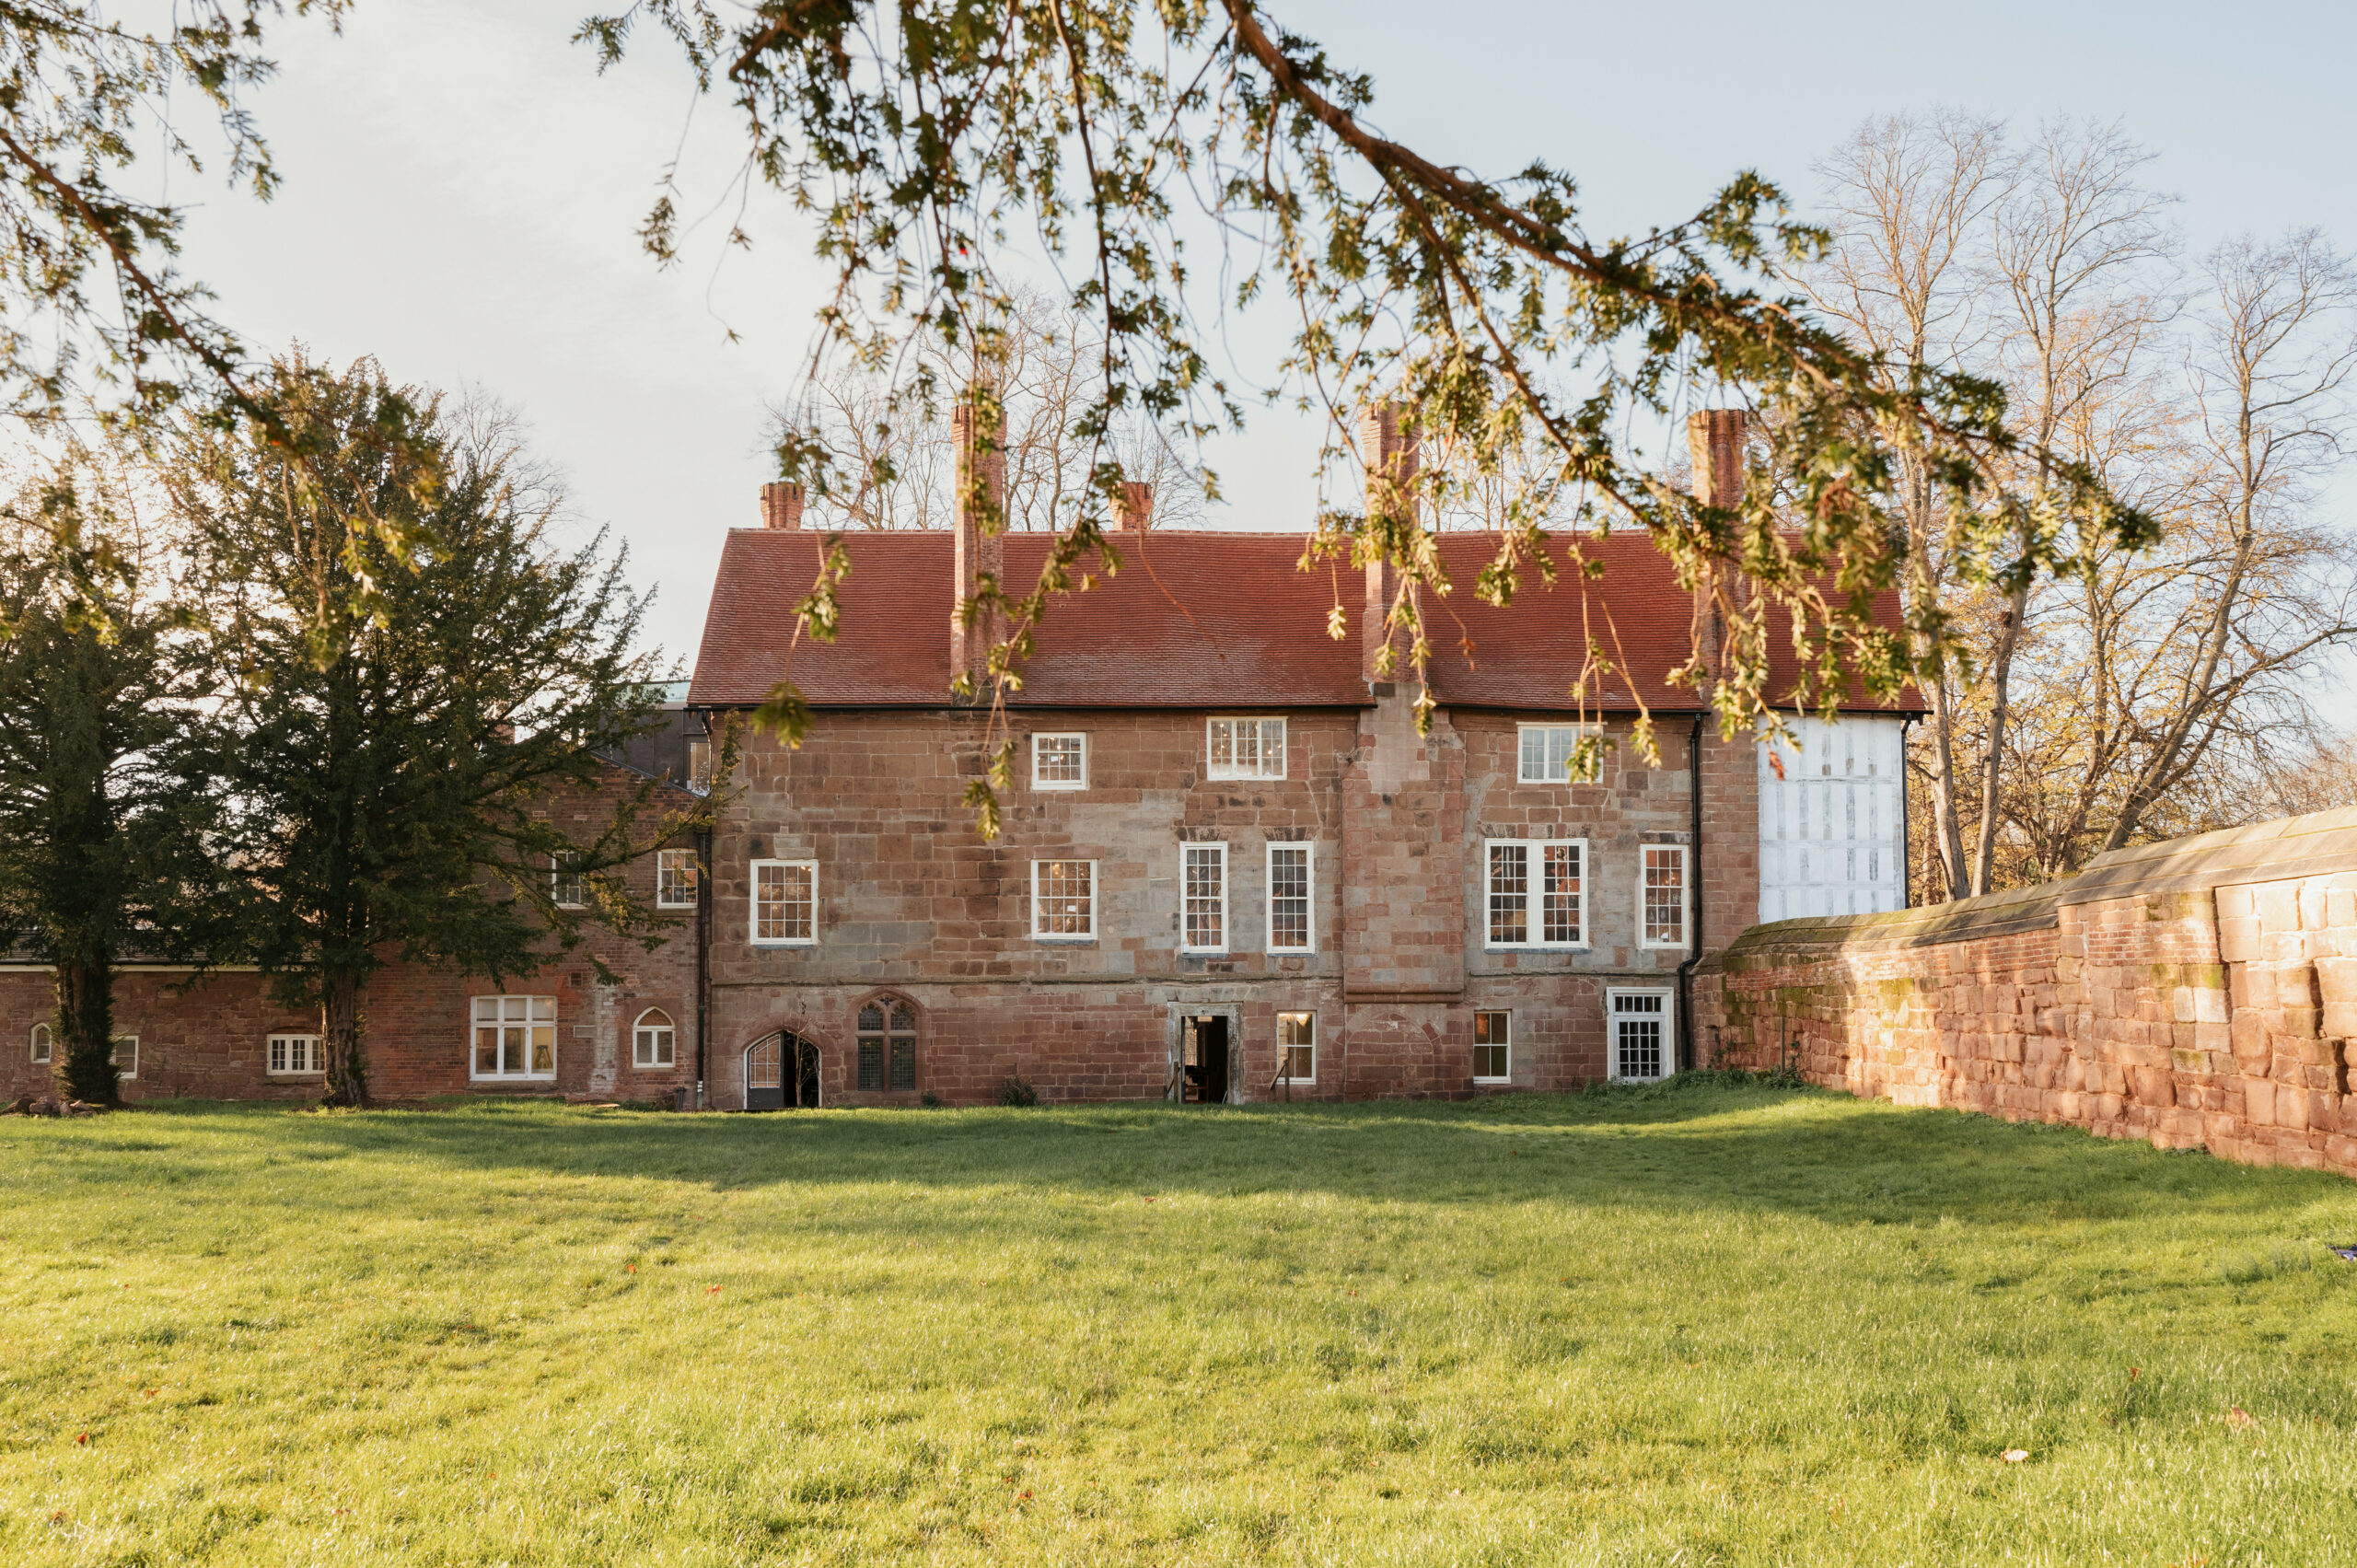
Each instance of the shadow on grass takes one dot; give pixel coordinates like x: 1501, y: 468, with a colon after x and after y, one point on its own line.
x: 1716, y: 1146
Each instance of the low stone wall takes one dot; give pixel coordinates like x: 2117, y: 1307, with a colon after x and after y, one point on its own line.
x: 2198, y: 992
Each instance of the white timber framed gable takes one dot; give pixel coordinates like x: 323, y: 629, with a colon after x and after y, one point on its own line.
x: 1831, y: 813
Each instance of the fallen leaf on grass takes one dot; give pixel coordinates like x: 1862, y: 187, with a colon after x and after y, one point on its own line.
x: 2134, y: 1373
x: 84, y: 1438
x: 2239, y: 1418
x: 2015, y: 1455
x: 711, y: 1290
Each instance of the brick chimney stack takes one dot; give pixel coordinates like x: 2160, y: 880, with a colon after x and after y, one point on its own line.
x: 1714, y: 441
x: 981, y: 549
x: 1133, y: 507
x: 781, y: 505
x: 1391, y: 458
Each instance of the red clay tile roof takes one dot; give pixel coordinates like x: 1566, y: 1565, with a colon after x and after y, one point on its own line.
x: 1195, y: 619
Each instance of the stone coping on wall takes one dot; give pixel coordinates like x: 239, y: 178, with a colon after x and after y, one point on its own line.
x: 2280, y: 851
x: 2289, y: 848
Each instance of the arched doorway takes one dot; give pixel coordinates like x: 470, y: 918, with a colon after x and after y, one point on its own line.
x: 780, y: 1072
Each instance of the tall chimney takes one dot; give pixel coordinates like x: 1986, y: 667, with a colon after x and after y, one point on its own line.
x: 1391, y: 457
x: 1133, y: 507
x: 981, y: 549
x: 781, y: 505
x: 1714, y: 441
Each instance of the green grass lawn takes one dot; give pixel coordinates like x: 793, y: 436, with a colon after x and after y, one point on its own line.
x: 1715, y: 1325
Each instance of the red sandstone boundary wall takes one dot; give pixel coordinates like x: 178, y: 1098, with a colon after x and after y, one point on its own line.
x: 2198, y: 992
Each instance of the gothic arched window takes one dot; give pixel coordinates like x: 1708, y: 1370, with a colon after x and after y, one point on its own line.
x: 888, y: 1044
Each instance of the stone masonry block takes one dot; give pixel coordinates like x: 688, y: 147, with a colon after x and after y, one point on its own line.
x: 2337, y: 987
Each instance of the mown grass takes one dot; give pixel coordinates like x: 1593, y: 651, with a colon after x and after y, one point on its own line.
x: 1727, y: 1325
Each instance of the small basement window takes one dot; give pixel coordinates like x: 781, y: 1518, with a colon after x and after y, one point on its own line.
x: 1296, y: 1048
x: 515, y: 1036
x: 291, y: 1056
x: 1641, y: 1039
x: 651, y: 1040
x: 1492, y: 1048
x: 887, y: 1045
x: 124, y: 1057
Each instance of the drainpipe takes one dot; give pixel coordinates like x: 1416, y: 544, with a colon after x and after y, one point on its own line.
x: 1693, y: 898
x: 703, y: 947
x: 1906, y: 822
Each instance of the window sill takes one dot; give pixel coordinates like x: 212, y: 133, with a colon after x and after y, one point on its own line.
x: 1661, y: 946
x: 1065, y: 941
x: 1492, y: 1083
x: 1540, y: 948
x: 1039, y: 788
x: 689, y: 905
x: 786, y: 942
x: 511, y: 1078
x: 294, y: 1077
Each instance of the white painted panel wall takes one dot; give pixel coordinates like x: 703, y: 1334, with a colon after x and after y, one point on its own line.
x: 1829, y: 827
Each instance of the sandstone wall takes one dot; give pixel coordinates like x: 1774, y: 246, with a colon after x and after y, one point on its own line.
x: 2197, y: 992
x: 913, y: 904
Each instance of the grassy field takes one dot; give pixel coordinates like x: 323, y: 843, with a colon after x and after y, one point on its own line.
x: 1722, y: 1325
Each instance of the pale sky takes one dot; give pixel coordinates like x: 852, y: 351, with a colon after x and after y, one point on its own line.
x: 462, y: 191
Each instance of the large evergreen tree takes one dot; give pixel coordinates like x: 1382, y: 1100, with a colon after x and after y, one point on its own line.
x: 417, y: 680
x: 104, y: 791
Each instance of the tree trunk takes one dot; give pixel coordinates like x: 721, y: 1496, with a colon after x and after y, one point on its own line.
x: 1947, y: 831
x: 343, y: 1031
x: 85, y: 1019
x: 2001, y: 673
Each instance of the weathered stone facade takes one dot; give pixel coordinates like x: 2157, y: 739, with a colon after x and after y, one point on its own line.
x: 914, y: 906
x: 2197, y: 992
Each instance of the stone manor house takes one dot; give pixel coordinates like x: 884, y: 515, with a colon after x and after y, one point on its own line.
x: 1230, y: 868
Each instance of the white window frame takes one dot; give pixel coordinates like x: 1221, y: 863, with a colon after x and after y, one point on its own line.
x: 1283, y: 1047
x: 1685, y: 895
x: 641, y: 1028
x: 288, y: 1048
x: 1268, y: 903
x: 499, y: 1020
x: 1094, y: 890
x: 698, y: 779
x: 1260, y: 769
x: 114, y: 1056
x: 558, y: 880
x: 1043, y: 784
x: 42, y: 1042
x: 753, y: 905
x: 1534, y: 905
x: 1507, y: 1014
x: 664, y: 860
x: 1612, y: 1030
x: 1522, y: 732
x: 1187, y: 853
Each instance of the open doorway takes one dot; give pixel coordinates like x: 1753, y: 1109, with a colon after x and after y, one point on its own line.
x: 1203, y: 1041
x: 780, y: 1072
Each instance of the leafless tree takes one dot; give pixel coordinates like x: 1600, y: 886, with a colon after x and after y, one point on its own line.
x: 2071, y: 248
x: 1909, y: 201
x: 2265, y: 590
x: 883, y: 439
